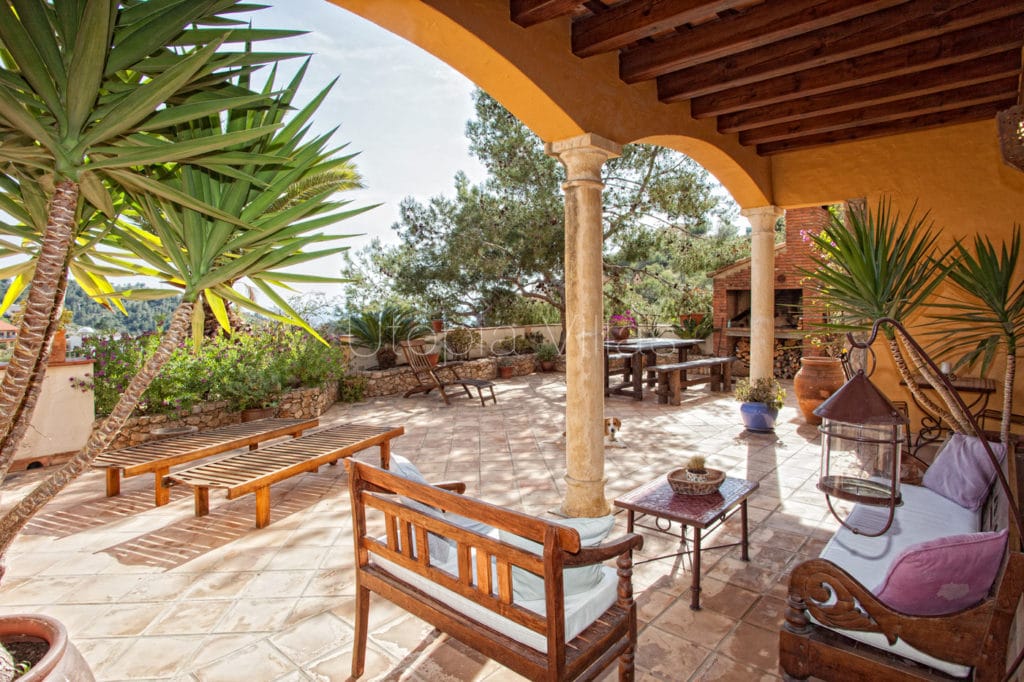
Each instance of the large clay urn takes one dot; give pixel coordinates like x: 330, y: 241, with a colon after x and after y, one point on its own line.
x: 817, y: 379
x: 61, y: 662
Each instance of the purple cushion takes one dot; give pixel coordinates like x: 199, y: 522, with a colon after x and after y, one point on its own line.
x: 943, y: 576
x: 962, y: 471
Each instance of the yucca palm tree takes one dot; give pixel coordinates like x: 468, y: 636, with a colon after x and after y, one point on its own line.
x: 873, y: 264
x: 383, y: 329
x: 200, y: 255
x: 90, y: 92
x: 988, y: 315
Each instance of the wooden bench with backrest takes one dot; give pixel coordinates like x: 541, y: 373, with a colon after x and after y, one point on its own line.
x: 932, y: 598
x: 158, y: 457
x: 429, y: 376
x: 673, y: 377
x: 492, y: 577
x: 257, y: 470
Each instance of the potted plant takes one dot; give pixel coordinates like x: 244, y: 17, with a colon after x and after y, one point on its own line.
x: 760, y: 402
x: 696, y: 469
x: 254, y: 392
x: 458, y: 342
x: 620, y: 326
x: 506, y: 366
x: 547, y: 353
x: 382, y: 330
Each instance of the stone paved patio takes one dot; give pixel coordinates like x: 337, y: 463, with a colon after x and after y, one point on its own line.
x: 151, y: 593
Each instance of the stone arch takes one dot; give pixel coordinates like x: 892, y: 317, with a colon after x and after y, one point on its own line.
x: 558, y: 96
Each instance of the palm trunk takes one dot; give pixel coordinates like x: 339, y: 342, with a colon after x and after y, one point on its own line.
x: 953, y: 415
x: 1011, y: 372
x: 23, y: 415
x: 33, y: 335
x: 920, y: 397
x: 15, y: 519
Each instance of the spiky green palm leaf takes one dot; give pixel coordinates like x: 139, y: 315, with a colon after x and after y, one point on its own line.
x: 988, y: 314
x: 874, y: 264
x: 91, y: 93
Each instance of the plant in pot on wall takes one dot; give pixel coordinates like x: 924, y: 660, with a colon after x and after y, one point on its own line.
x: 459, y: 342
x: 380, y: 331
x: 547, y: 354
x: 621, y: 325
x: 760, y: 401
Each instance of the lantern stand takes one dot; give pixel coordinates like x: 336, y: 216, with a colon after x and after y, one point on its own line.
x: 870, y: 412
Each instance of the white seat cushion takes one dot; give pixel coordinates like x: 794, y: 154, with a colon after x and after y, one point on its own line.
x: 924, y: 515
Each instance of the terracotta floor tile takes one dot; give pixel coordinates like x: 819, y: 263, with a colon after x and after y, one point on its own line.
x: 704, y: 627
x: 256, y: 615
x: 768, y: 613
x: 313, y: 638
x: 190, y: 618
x: 153, y: 657
x: 259, y: 662
x: 753, y: 646
x: 666, y: 656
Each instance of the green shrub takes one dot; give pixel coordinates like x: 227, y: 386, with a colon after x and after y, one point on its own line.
x: 351, y: 389
x: 547, y: 352
x: 458, y: 342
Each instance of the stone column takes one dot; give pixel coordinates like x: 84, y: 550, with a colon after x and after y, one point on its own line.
x: 583, y: 157
x: 762, y: 289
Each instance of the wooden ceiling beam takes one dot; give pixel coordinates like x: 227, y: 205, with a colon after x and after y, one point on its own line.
x: 950, y: 100
x: 923, y: 83
x: 892, y: 28
x: 981, y: 41
x: 631, y: 21
x: 909, y: 125
x: 528, y: 13
x: 758, y: 26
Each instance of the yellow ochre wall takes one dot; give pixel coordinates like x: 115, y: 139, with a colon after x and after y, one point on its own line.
x: 955, y: 172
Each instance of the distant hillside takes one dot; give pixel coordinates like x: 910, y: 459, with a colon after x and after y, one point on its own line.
x: 143, y: 316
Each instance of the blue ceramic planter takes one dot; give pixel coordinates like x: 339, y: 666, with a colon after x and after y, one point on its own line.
x: 758, y: 417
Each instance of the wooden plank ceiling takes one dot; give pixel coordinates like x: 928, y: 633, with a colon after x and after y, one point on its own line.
x: 793, y: 74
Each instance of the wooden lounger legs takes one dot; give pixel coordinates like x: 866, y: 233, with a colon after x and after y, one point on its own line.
x: 262, y: 506
x: 114, y: 482
x: 161, y: 488
x: 202, y: 502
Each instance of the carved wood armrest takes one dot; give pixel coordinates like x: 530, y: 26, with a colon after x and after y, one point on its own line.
x: 836, y: 599
x: 605, y: 551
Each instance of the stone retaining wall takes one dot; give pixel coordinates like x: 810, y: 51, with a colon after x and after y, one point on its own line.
x: 401, y: 379
x: 300, y: 403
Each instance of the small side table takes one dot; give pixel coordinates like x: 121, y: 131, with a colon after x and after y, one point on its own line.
x: 700, y: 512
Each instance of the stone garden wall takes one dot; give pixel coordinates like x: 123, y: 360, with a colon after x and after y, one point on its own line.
x: 301, y: 403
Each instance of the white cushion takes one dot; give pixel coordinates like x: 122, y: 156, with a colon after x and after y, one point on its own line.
x: 580, y: 609
x: 924, y: 515
x: 528, y: 586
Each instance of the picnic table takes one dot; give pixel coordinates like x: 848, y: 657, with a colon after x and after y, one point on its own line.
x: 640, y: 353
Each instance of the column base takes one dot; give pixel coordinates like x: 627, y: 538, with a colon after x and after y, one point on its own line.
x: 585, y: 498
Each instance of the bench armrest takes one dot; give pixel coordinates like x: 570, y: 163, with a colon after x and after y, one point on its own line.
x: 605, y: 551
x: 837, y: 600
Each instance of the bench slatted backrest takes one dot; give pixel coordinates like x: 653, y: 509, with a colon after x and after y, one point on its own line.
x: 374, y: 488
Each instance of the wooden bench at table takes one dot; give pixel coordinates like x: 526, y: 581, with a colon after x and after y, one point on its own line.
x: 158, y: 457
x: 256, y: 471
x: 672, y: 378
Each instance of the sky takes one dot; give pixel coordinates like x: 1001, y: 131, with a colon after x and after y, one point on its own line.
x: 403, y: 110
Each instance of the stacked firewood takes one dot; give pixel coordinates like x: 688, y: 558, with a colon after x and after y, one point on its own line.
x: 787, y: 357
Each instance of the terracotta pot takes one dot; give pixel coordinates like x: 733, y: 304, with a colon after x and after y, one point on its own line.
x: 547, y: 365
x: 59, y: 348
x: 432, y: 358
x: 437, y: 326
x: 817, y: 379
x: 253, y: 413
x: 619, y: 333
x: 505, y: 371
x: 62, y: 662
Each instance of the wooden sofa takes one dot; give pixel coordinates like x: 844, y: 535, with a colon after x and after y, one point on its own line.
x: 837, y: 629
x: 463, y: 584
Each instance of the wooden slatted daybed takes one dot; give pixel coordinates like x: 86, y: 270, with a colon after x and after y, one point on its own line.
x: 158, y: 457
x: 255, y: 471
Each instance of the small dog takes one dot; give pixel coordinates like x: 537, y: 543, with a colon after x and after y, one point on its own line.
x: 612, y: 426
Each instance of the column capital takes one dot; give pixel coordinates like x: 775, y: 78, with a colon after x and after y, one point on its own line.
x: 583, y: 155
x: 762, y: 218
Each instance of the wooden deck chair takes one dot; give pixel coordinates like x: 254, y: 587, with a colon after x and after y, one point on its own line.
x: 428, y: 376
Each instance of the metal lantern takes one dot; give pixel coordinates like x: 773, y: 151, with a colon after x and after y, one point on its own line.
x: 861, y: 443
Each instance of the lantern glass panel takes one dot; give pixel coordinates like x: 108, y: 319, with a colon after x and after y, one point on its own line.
x: 861, y: 462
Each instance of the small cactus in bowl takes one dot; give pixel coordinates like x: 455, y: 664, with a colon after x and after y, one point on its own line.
x: 696, y: 469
